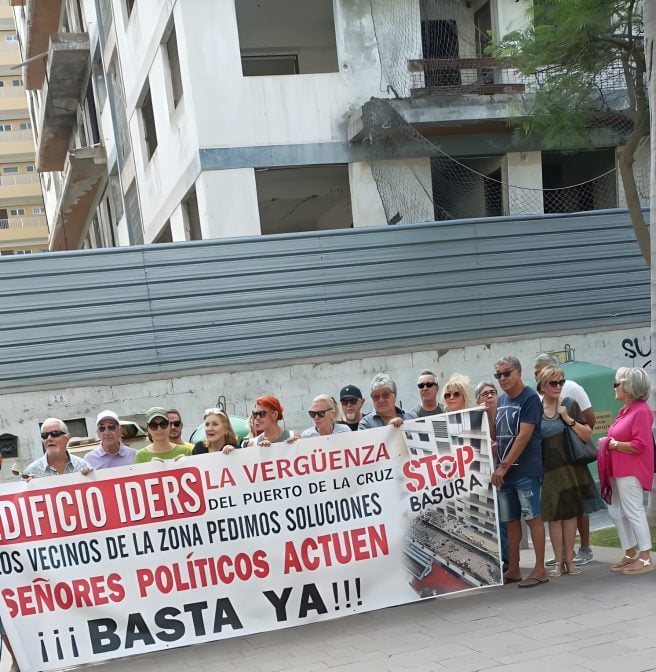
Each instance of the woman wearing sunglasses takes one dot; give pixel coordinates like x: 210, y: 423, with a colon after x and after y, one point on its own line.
x: 157, y: 421
x: 324, y: 412
x: 568, y: 490
x: 629, y: 448
x: 220, y: 437
x: 268, y: 412
x: 457, y: 393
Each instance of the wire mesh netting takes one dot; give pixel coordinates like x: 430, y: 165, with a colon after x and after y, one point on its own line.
x: 438, y: 48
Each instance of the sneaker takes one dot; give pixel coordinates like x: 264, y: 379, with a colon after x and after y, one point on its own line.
x: 550, y: 563
x: 583, y: 557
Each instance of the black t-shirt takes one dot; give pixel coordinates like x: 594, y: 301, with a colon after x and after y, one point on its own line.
x: 353, y: 426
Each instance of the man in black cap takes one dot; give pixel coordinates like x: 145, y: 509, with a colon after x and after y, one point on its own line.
x: 352, y: 400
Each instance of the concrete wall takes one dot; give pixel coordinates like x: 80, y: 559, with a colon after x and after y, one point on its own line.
x: 522, y: 172
x: 296, y: 384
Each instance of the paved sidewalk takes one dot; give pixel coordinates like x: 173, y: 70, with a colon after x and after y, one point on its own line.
x: 598, y: 620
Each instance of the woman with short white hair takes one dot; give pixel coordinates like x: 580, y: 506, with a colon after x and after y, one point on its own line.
x: 324, y: 413
x: 630, y: 450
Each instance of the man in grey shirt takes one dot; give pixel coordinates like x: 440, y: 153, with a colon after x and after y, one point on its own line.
x: 428, y: 389
x: 386, y: 412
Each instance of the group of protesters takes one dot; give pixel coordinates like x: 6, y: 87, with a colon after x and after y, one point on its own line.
x: 534, y: 475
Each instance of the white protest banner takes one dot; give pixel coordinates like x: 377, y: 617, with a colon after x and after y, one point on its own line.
x: 136, y: 559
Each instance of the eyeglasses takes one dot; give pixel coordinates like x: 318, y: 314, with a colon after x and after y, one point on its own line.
x: 488, y: 393
x: 56, y: 433
x: 616, y: 385
x: 448, y: 395
x: 384, y: 396
x: 176, y: 423
x: 111, y: 426
x: 163, y: 424
x: 349, y: 402
x: 259, y: 414
x: 318, y: 414
x: 503, y: 374
x: 556, y: 383
x: 421, y: 386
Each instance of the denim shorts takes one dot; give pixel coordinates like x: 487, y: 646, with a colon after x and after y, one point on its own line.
x: 520, y: 500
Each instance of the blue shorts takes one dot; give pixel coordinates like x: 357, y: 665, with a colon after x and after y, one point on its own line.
x: 520, y: 500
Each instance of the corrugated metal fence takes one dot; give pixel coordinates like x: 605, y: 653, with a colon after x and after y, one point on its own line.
x: 75, y: 316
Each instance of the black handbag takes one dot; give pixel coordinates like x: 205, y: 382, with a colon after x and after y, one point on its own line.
x: 577, y: 450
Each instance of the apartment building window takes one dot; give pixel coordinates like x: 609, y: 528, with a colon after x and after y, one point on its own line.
x: 30, y: 168
x: 10, y: 170
x: 148, y: 123
x: 133, y: 212
x: 25, y: 126
x: 11, y: 38
x: 175, y: 73
x: 5, y: 127
x: 1, y: 83
x: 298, y: 41
x: 23, y: 251
x: 38, y: 211
x: 17, y: 212
x: 17, y: 82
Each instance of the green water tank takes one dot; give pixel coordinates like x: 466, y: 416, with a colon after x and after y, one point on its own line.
x: 597, y: 381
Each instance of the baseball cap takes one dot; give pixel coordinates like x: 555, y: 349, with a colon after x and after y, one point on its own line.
x: 156, y: 412
x: 350, y: 392
x: 103, y: 415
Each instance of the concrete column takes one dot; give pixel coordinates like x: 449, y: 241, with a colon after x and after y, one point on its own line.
x: 179, y: 225
x: 366, y: 206
x: 522, y: 183
x: 227, y: 203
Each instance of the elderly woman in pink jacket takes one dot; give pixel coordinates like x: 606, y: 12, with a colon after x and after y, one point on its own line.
x: 630, y: 453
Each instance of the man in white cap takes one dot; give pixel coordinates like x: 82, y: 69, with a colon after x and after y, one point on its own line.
x: 111, y: 452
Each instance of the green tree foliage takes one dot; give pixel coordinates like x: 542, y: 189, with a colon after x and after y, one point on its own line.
x: 587, y: 57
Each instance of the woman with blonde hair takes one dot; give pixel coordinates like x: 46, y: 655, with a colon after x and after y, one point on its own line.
x: 568, y: 490
x: 629, y: 448
x: 457, y: 393
x: 220, y: 437
x: 324, y: 413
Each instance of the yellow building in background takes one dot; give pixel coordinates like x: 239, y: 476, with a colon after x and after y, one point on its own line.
x: 23, y: 223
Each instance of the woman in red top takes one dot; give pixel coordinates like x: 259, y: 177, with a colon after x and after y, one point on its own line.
x: 630, y: 449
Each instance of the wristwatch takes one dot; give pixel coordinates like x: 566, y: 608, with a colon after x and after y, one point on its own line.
x: 613, y: 444
x: 571, y: 424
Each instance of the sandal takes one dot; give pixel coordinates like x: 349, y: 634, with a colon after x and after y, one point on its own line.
x: 626, y: 560
x: 559, y: 569
x: 639, y: 566
x: 571, y: 568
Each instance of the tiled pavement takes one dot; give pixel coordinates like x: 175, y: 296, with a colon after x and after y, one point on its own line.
x: 597, y: 620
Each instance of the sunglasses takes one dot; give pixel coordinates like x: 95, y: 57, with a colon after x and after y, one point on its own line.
x: 176, y: 423
x: 349, y: 402
x: 488, y: 393
x: 111, y: 426
x: 421, y: 386
x: 616, y: 385
x: 556, y: 383
x: 56, y: 433
x: 163, y: 424
x: 503, y: 374
x: 448, y: 395
x: 259, y: 414
x: 318, y: 414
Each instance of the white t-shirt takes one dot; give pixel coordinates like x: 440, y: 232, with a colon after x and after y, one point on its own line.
x: 312, y: 431
x: 574, y: 391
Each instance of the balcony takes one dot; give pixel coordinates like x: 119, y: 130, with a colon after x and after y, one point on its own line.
x: 85, y: 176
x: 13, y: 103
x: 24, y: 223
x: 68, y: 71
x: 20, y: 190
x: 42, y: 22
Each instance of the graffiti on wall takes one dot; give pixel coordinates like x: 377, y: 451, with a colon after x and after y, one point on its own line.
x: 639, y: 354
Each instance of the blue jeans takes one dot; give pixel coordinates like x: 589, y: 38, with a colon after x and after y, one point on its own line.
x: 520, y: 500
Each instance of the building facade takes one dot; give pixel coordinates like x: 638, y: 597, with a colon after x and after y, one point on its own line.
x: 23, y: 225
x: 195, y: 119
